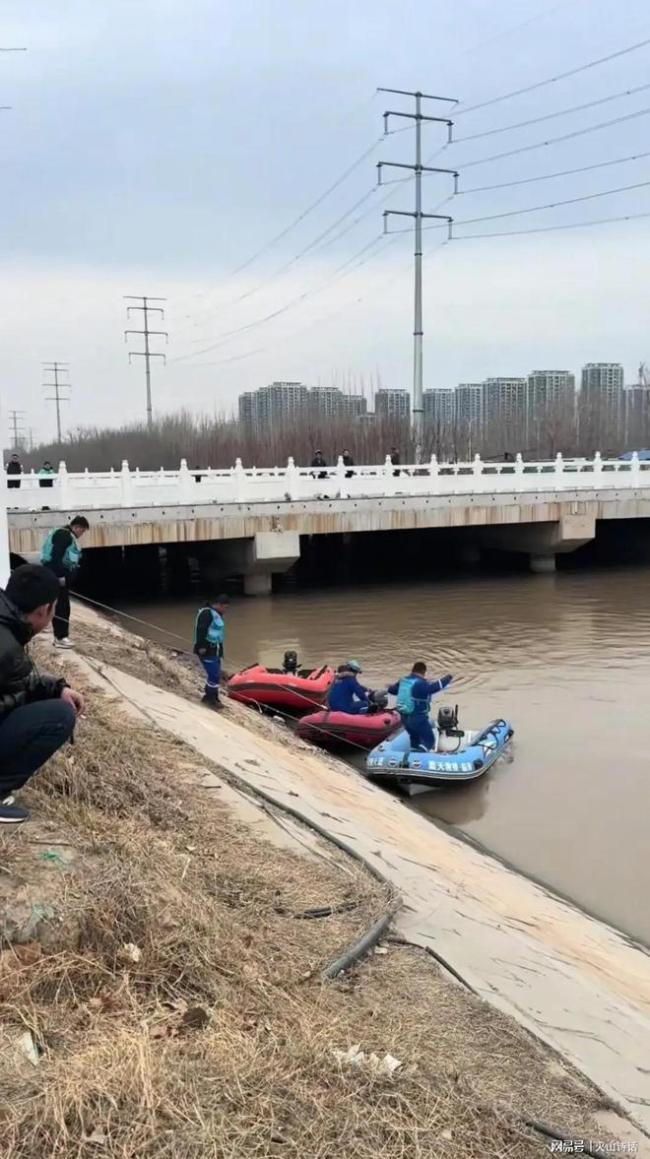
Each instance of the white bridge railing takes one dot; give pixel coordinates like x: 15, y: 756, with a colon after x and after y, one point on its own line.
x: 86, y: 490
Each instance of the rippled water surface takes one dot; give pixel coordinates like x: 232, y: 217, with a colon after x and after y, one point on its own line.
x: 566, y: 658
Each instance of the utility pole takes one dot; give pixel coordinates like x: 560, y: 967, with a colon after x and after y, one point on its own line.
x: 146, y: 333
x: 17, y: 433
x: 58, y: 370
x: 418, y: 169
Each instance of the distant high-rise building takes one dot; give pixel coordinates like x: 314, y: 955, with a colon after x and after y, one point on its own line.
x: 248, y: 411
x: 439, y: 406
x: 273, y: 406
x: 285, y: 403
x: 469, y: 404
x: 394, y: 404
x: 354, y: 406
x: 604, y: 378
x: 549, y: 388
x: 504, y: 400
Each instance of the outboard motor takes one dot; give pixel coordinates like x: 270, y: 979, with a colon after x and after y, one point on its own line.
x: 290, y: 663
x: 377, y: 701
x: 448, y: 721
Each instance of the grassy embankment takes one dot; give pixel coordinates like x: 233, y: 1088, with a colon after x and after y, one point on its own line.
x: 155, y: 966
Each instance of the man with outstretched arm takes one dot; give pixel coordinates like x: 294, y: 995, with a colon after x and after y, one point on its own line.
x: 414, y: 693
x: 37, y: 712
x: 61, y: 553
x: 209, y: 635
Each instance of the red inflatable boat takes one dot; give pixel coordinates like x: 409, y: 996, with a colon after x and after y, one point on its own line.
x: 329, y: 729
x: 297, y: 692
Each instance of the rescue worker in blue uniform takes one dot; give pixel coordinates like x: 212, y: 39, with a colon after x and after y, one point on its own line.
x: 414, y: 694
x: 346, y: 694
x: 209, y: 635
x: 61, y: 553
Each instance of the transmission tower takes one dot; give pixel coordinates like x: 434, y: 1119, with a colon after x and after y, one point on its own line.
x: 59, y: 371
x: 17, y: 432
x: 146, y: 333
x: 418, y: 169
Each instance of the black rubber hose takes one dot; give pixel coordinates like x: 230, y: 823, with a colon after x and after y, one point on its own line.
x: 562, y: 1136
x: 359, y: 948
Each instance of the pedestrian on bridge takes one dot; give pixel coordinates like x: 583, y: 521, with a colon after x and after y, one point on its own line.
x: 14, y: 471
x: 319, y: 460
x: 209, y: 635
x: 61, y: 553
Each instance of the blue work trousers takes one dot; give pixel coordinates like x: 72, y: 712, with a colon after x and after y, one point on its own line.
x: 212, y: 669
x: 420, y: 730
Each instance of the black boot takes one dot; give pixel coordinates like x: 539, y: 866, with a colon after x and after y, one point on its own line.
x: 211, y: 700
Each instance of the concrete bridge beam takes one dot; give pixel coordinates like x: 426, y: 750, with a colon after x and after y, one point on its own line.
x: 256, y: 559
x: 543, y: 541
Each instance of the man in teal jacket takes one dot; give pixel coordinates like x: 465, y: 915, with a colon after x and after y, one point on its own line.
x: 61, y: 553
x: 414, y: 694
x: 209, y: 635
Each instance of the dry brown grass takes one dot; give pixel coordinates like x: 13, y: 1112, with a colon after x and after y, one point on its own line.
x: 218, y: 1040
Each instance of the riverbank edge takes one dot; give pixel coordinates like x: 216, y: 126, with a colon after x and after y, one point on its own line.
x: 609, y: 977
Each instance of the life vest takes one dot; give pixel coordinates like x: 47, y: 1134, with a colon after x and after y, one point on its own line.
x: 217, y: 630
x: 406, y: 704
x: 72, y: 554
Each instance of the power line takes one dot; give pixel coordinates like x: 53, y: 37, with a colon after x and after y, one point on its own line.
x: 535, y: 208
x: 146, y: 333
x: 312, y: 245
x: 554, y: 204
x: 553, y: 79
x: 549, y: 176
x: 554, y: 140
x: 340, y: 271
x: 310, y: 208
x: 57, y: 369
x: 551, y: 228
x: 551, y: 116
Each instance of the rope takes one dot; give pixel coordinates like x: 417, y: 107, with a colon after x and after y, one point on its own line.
x: 185, y: 652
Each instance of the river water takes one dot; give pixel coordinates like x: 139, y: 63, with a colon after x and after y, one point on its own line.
x: 566, y: 658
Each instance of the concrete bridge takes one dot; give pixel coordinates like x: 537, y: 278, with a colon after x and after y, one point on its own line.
x: 254, y: 518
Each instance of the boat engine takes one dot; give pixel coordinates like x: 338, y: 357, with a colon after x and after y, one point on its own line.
x: 290, y: 662
x: 377, y: 701
x: 448, y: 721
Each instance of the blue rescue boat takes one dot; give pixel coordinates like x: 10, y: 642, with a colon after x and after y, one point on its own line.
x: 458, y: 755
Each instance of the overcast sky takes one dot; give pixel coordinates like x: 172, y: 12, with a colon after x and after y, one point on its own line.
x: 153, y: 146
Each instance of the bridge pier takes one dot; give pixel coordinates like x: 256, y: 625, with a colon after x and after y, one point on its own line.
x: 542, y: 564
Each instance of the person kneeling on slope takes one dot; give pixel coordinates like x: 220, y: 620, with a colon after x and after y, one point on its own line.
x: 209, y: 635
x: 346, y: 694
x: 414, y: 694
x: 37, y: 712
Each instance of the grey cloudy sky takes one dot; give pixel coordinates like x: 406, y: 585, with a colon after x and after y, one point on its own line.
x: 154, y: 145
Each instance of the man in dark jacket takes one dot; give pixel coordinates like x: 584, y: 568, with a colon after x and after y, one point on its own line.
x: 346, y: 693
x: 37, y: 712
x: 62, y: 555
x: 319, y: 460
x: 209, y: 635
x: 14, y: 471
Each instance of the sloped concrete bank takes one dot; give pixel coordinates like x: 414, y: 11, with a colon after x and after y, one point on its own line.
x: 573, y: 982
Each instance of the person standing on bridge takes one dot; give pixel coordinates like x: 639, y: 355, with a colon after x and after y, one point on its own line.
x: 414, y: 694
x: 209, y: 635
x: 14, y: 471
x: 62, y: 555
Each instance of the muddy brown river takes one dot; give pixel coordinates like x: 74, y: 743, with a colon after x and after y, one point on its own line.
x: 566, y: 658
